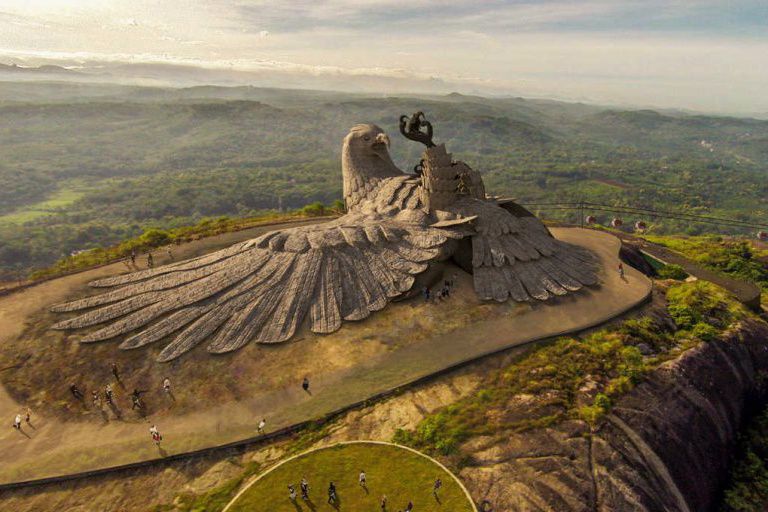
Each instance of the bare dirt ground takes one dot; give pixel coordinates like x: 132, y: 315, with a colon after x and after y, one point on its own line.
x: 221, y: 399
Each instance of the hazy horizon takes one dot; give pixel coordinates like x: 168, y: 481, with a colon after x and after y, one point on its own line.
x: 701, y: 56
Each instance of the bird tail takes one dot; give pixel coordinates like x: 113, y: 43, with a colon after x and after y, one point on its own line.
x: 529, y: 264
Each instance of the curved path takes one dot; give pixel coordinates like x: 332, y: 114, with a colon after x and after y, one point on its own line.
x: 746, y: 292
x: 61, y: 448
x: 393, y: 470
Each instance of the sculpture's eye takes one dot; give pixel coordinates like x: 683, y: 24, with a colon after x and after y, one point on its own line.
x: 367, y: 138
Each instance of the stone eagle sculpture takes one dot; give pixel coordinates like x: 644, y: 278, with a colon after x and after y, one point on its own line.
x: 396, y: 226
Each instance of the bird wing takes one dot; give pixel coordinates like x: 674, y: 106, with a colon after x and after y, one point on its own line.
x: 514, y: 255
x: 262, y: 289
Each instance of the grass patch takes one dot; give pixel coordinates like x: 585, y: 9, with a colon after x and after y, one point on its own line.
x: 399, y: 474
x: 732, y: 257
x: 54, y: 203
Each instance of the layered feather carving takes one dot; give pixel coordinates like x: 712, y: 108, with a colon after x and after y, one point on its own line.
x: 262, y: 291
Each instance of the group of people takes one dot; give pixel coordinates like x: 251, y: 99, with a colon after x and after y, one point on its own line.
x: 362, y: 479
x: 109, y: 399
x: 150, y: 258
x: 109, y: 393
x: 442, y: 293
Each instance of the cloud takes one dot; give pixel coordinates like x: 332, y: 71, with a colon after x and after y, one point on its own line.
x: 695, y: 54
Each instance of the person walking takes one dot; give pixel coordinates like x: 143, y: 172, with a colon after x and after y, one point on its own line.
x: 291, y: 492
x: 305, y: 384
x: 96, y: 398
x: 150, y: 260
x: 331, y: 494
x: 621, y: 270
x: 262, y: 424
x: 17, y: 422
x: 409, y: 507
x: 28, y: 416
x: 436, y: 487
x: 136, y: 399
x: 383, y: 503
x: 361, y: 478
x: 108, y: 394
x: 304, y: 485
x: 116, y: 372
x: 156, y: 436
x: 133, y: 257
x: 167, y: 386
x: 75, y: 391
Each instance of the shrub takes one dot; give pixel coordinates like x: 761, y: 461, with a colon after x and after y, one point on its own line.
x: 672, y: 271
x: 704, y: 332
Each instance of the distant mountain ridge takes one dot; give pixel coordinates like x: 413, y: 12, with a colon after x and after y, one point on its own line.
x: 87, y: 164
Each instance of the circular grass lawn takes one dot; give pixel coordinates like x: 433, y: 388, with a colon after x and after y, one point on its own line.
x: 401, y: 474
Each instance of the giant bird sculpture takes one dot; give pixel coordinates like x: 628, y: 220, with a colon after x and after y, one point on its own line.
x: 397, y: 225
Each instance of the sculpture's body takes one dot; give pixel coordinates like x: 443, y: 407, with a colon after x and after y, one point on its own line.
x: 396, y: 225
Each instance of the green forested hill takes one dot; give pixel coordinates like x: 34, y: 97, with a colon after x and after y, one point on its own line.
x: 84, y: 165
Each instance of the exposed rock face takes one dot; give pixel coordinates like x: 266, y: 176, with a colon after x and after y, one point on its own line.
x: 631, y: 255
x: 664, y: 447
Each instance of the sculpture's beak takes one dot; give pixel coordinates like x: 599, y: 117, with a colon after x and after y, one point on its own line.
x: 382, y: 138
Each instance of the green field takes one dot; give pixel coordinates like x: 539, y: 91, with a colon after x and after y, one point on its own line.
x: 52, y: 204
x: 398, y: 473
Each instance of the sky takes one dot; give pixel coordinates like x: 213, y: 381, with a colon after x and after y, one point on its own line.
x: 699, y: 55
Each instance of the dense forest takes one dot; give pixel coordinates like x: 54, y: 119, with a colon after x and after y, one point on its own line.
x: 84, y: 166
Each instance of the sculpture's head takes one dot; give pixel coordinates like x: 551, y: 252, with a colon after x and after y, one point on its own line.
x: 367, y: 140
x: 365, y: 160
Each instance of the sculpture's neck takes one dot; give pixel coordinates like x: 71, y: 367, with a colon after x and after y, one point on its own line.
x: 361, y: 174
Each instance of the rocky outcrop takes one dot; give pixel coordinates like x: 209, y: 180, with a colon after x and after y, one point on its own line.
x: 632, y: 256
x: 665, y: 446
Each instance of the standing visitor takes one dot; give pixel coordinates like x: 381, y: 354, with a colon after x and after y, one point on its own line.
x: 304, y: 489
x: 262, y: 424
x: 96, y: 399
x: 437, y: 486
x: 291, y: 492
x: 384, y: 503
x: 136, y: 399
x: 305, y: 384
x: 167, y: 386
x: 75, y: 391
x: 150, y: 260
x: 621, y: 270
x: 115, y: 372
x: 108, y: 393
x: 361, y: 478
x: 331, y: 493
x: 28, y: 416
x: 156, y: 437
x: 17, y: 422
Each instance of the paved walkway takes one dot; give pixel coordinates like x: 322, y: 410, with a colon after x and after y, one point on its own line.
x: 56, y: 447
x: 748, y: 293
